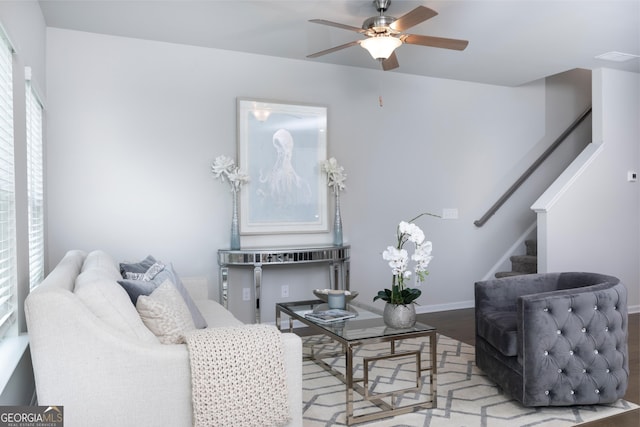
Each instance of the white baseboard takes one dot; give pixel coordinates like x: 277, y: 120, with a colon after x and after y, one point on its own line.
x: 633, y: 309
x: 421, y: 309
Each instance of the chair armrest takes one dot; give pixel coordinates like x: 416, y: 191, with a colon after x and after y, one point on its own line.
x: 573, y: 343
x: 503, y: 293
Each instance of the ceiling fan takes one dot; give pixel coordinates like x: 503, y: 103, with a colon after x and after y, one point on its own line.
x: 386, y: 33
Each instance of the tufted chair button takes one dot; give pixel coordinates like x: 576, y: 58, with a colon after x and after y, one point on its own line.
x: 597, y: 391
x: 584, y: 329
x: 546, y: 392
x: 559, y: 370
x: 559, y: 332
x: 584, y: 371
x: 595, y: 307
x: 571, y: 352
x: 595, y: 351
x: 608, y: 370
x: 546, y: 353
x: 570, y: 309
x: 606, y: 329
x: 573, y: 392
x: 545, y: 309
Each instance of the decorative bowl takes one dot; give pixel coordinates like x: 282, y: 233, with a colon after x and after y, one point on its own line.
x: 323, y: 294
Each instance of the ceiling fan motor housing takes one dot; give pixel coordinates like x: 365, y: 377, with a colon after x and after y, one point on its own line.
x: 381, y: 5
x: 379, y: 25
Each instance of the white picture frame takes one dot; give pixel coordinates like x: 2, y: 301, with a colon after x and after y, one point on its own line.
x: 281, y: 147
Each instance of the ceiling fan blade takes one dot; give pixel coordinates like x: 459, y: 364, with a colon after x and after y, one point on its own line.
x: 337, y: 25
x: 333, y: 49
x: 440, y: 42
x: 416, y: 16
x: 390, y: 63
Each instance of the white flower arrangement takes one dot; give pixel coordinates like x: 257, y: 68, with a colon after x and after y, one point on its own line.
x: 335, y: 174
x: 225, y: 169
x: 398, y: 259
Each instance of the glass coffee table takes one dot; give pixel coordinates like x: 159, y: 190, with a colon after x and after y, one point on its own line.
x: 366, y: 329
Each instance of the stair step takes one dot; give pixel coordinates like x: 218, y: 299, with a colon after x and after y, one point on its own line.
x: 524, y: 263
x: 532, y: 247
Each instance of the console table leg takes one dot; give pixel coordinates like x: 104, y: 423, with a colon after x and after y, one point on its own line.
x: 345, y: 274
x: 224, y: 286
x: 257, y: 282
x: 333, y: 284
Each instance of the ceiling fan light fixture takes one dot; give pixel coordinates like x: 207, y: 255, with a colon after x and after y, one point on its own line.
x: 381, y: 47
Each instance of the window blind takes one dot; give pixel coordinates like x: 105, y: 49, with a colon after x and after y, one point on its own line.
x: 8, y: 278
x: 35, y: 190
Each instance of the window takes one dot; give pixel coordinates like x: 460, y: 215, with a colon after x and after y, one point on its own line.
x: 35, y: 191
x: 8, y: 278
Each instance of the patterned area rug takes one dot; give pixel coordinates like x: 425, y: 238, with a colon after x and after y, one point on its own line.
x: 465, y: 396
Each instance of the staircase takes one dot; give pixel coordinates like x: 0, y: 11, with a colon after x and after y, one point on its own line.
x: 523, y: 264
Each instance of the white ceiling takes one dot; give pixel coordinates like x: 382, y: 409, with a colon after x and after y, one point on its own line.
x: 511, y: 42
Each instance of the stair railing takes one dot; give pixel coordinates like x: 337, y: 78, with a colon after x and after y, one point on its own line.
x: 507, y: 194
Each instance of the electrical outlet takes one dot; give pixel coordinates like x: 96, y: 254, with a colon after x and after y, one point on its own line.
x: 246, y: 294
x: 450, y: 213
x: 284, y: 291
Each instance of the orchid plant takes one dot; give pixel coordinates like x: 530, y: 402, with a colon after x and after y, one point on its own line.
x: 335, y: 174
x: 225, y: 169
x: 398, y: 258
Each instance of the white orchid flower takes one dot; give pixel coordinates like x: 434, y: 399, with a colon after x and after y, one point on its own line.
x: 398, y: 257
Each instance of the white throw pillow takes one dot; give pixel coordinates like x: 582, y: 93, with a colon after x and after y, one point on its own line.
x: 165, y: 313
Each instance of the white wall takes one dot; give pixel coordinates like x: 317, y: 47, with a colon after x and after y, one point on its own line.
x: 134, y: 126
x: 591, y: 221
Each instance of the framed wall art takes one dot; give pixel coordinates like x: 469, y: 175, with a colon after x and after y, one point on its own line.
x: 280, y: 147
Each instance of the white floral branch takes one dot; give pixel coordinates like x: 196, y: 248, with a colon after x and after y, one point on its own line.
x: 225, y: 169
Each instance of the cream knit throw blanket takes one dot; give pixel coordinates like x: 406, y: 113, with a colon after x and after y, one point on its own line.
x: 238, y: 376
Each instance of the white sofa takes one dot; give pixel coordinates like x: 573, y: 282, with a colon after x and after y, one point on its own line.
x: 93, y: 354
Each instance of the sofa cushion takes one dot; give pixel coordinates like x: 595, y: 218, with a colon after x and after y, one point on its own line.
x: 216, y: 315
x: 109, y: 302
x: 100, y: 260
x: 165, y: 313
x: 499, y: 328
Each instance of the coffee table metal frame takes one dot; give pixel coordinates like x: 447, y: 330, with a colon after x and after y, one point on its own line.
x: 348, y: 347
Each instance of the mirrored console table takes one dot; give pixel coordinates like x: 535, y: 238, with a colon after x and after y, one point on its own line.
x: 337, y: 257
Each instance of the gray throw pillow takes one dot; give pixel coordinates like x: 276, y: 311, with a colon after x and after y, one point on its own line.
x: 136, y: 288
x: 137, y: 267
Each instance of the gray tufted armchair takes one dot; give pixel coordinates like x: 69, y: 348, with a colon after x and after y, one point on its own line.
x: 554, y: 339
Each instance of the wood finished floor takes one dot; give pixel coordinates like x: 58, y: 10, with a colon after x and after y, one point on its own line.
x: 460, y: 324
